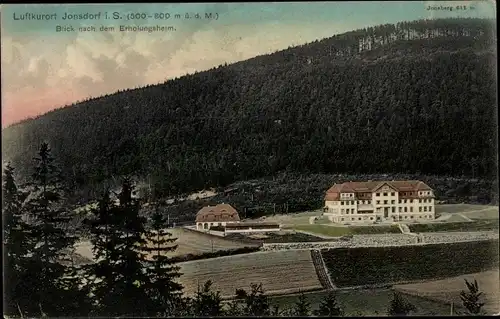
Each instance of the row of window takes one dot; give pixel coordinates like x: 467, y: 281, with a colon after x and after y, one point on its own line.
x: 386, y: 194
x: 393, y: 218
x: 401, y: 201
x: 393, y: 210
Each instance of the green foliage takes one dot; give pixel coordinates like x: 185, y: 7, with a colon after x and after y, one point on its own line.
x: 379, y: 265
x: 16, y: 245
x: 479, y: 225
x: 117, y: 235
x: 329, y: 307
x: 254, y: 303
x: 470, y: 299
x: 206, y: 303
x: 48, y: 284
x: 399, y: 306
x: 302, y: 307
x: 349, y: 103
x: 163, y: 289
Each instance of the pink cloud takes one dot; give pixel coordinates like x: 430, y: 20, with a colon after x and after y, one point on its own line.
x: 30, y: 101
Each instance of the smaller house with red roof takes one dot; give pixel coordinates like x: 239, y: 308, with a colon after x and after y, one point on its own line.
x: 379, y: 201
x: 218, y: 215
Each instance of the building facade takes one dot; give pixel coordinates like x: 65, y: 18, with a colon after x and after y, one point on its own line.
x: 218, y: 215
x: 379, y: 201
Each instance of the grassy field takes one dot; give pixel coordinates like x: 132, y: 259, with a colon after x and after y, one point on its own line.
x: 192, y: 242
x: 477, y: 225
x: 468, y: 210
x: 188, y: 242
x: 368, y: 302
x: 282, y: 237
x: 280, y: 272
x: 335, y: 231
x: 448, y: 290
x: 367, y: 266
x: 291, y: 219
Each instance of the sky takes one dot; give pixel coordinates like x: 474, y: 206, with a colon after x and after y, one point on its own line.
x: 43, y: 69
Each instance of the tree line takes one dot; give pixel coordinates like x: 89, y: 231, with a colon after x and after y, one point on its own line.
x: 131, y: 276
x: 413, y: 97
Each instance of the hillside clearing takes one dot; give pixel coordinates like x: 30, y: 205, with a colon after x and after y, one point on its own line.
x: 469, y: 210
x: 448, y: 290
x: 188, y: 242
x: 279, y: 272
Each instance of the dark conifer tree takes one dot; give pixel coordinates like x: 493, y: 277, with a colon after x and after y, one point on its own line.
x: 256, y: 302
x: 399, y: 306
x: 51, y: 287
x: 470, y: 299
x: 206, y: 303
x: 163, y: 289
x: 16, y: 245
x: 302, y: 307
x: 118, y: 278
x: 329, y: 307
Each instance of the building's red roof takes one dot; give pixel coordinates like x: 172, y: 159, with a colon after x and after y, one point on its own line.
x: 333, y: 193
x: 218, y: 213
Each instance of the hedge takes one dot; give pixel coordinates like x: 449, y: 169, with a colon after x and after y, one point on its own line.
x: 377, y: 265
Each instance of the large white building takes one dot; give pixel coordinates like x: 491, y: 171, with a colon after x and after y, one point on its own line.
x: 379, y: 201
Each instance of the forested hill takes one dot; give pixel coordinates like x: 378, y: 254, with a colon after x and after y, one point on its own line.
x: 415, y: 97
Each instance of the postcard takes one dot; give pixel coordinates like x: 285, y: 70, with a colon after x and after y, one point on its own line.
x: 250, y: 159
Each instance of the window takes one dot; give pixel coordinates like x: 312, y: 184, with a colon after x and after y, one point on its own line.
x: 342, y: 219
x: 341, y: 203
x: 377, y: 194
x: 430, y: 208
x: 378, y: 202
x: 411, y: 217
x: 342, y: 211
x: 385, y: 194
x: 411, y: 209
x: 419, y: 200
x: 393, y: 201
x: 399, y: 201
x: 425, y: 208
x: 393, y: 209
x: 359, y: 218
x: 400, y: 209
x: 371, y: 218
x: 392, y: 194
x: 385, y: 202
x: 406, y: 209
x: 420, y: 209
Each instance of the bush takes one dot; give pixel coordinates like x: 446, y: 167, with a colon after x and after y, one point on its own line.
x: 480, y: 225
